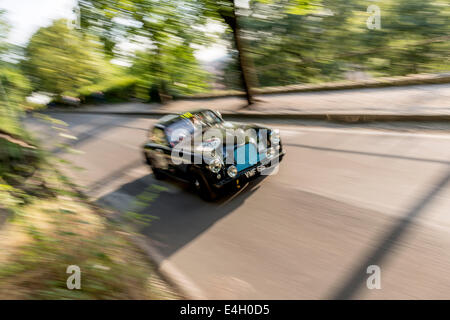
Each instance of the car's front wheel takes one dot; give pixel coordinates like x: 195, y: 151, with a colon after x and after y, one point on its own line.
x: 201, y: 185
x: 157, y: 173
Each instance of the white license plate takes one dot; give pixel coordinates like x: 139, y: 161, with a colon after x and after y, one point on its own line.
x: 261, y: 168
x: 250, y: 173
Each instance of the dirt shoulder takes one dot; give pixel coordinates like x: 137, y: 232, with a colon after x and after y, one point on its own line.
x: 49, y: 227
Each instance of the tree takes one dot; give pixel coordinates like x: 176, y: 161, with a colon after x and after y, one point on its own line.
x: 4, y: 30
x: 163, y: 32
x: 413, y: 32
x: 239, y: 19
x: 331, y: 40
x: 14, y: 87
x: 59, y: 59
x: 229, y: 14
x: 175, y: 20
x: 174, y: 66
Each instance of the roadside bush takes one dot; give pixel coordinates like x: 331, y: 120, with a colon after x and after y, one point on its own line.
x: 14, y: 87
x: 120, y: 89
x: 115, y: 90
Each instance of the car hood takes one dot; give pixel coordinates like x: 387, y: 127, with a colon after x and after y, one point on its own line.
x: 223, y: 132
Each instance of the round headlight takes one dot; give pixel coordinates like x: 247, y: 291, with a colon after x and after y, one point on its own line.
x: 215, y: 165
x: 270, y: 152
x: 232, y: 171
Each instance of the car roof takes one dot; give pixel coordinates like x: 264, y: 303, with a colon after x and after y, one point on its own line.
x: 171, y: 118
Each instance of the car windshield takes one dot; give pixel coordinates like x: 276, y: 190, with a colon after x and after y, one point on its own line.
x: 208, y: 117
x: 188, y: 124
x: 179, y: 130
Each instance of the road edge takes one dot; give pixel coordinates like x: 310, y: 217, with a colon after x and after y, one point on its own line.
x: 381, y: 82
x: 332, y: 117
x: 165, y: 269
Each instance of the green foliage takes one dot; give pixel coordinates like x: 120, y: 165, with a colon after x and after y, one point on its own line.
x: 411, y: 28
x: 283, y: 42
x: 114, y: 90
x: 46, y: 235
x: 164, y: 32
x: 60, y: 59
x: 330, y: 40
x: 174, y: 69
x: 15, y: 85
x: 4, y: 30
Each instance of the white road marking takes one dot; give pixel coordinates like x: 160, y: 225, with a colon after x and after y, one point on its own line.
x: 290, y: 133
x: 302, y: 130
x: 68, y: 136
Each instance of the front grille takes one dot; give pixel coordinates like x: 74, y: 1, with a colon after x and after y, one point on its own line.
x: 246, y: 156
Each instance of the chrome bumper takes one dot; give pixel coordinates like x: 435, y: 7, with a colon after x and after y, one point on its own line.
x: 258, y: 167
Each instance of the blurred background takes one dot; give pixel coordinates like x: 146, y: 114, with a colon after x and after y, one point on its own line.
x: 118, y: 50
x: 348, y: 194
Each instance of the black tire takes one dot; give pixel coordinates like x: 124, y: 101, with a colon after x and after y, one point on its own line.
x: 157, y: 173
x: 201, y: 186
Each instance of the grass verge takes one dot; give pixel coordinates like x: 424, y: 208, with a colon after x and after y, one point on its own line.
x: 47, y: 227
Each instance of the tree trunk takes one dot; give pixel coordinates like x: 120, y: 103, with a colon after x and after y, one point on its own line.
x: 243, y: 63
x: 244, y: 66
x: 158, y: 92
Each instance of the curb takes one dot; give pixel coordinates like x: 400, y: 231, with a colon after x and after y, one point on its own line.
x: 346, y: 118
x: 185, y: 287
x: 417, y: 79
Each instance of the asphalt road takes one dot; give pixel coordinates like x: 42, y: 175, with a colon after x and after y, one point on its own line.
x: 343, y: 199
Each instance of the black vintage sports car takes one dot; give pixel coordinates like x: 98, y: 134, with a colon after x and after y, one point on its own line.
x: 201, y: 148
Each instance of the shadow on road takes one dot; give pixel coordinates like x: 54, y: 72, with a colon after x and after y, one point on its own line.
x: 373, y: 154
x: 97, y: 127
x: 392, y: 237
x: 178, y: 216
